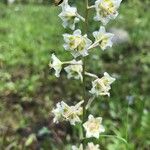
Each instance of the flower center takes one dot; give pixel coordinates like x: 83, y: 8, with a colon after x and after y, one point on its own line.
x: 99, y: 87
x: 104, y: 41
x: 106, y: 8
x: 82, y: 44
x: 77, y: 42
x: 70, y: 15
x: 94, y: 126
x: 105, y: 81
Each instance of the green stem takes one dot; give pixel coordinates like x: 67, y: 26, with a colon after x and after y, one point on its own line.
x: 84, y: 92
x: 83, y: 73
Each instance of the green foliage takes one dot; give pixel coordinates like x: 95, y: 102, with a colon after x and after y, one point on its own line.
x: 28, y: 36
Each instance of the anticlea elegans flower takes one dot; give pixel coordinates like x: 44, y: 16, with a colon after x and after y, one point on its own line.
x: 56, y: 64
x: 102, y: 38
x: 93, y: 127
x: 90, y: 146
x: 69, y: 15
x: 77, y: 44
x: 67, y: 113
x: 75, y: 70
x: 106, y: 10
x: 101, y: 86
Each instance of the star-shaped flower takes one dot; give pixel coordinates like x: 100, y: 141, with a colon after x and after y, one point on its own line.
x: 102, y: 38
x: 101, y: 86
x: 67, y: 113
x: 69, y: 15
x: 77, y: 44
x: 75, y: 70
x: 106, y: 10
x: 93, y: 127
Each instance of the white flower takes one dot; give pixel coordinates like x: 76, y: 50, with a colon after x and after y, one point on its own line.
x: 56, y: 64
x: 91, y: 146
x: 102, y: 38
x: 106, y: 10
x: 76, y: 43
x: 72, y: 113
x: 93, y: 127
x: 76, y: 148
x: 69, y: 15
x: 75, y: 70
x: 58, y: 112
x: 68, y: 113
x: 101, y: 86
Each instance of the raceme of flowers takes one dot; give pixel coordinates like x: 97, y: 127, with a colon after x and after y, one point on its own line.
x: 79, y: 45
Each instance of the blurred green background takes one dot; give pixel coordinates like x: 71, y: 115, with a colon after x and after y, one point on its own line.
x: 30, y: 31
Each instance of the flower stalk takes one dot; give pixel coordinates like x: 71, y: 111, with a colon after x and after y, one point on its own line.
x: 83, y: 73
x: 71, y: 63
x: 91, y: 75
x: 91, y: 7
